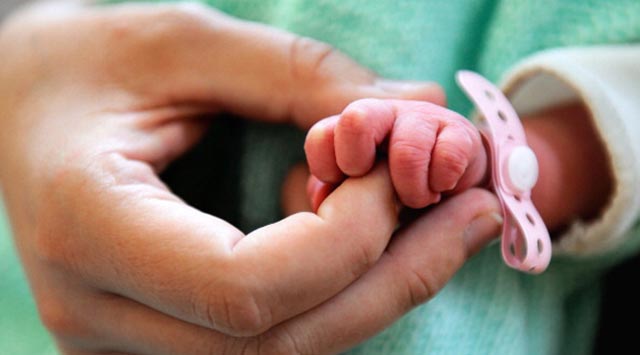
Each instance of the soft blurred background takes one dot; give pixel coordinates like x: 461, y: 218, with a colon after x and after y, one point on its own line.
x: 7, y: 5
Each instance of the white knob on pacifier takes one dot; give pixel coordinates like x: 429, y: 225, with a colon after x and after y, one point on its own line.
x: 522, y: 168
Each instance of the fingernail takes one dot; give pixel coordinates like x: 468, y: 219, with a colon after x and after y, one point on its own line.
x: 482, y: 230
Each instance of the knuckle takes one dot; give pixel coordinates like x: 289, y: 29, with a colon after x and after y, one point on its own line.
x: 423, y: 283
x: 409, y: 163
x: 409, y: 156
x: 236, y: 311
x: 452, y: 159
x: 308, y: 57
x: 59, y: 318
x: 354, y: 118
x: 319, y: 71
x: 244, y: 316
x: 365, y: 256
x: 421, y: 286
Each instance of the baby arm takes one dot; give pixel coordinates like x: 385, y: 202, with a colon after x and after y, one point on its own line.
x: 434, y: 151
x: 575, y: 179
x: 431, y: 150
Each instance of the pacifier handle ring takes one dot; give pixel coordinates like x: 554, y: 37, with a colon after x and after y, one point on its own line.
x: 526, y: 245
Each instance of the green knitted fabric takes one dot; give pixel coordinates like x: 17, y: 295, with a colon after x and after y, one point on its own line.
x: 486, y: 308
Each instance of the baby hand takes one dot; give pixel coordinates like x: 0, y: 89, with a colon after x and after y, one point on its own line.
x: 431, y: 150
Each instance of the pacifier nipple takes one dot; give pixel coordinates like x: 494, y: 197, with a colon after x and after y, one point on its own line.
x: 522, y: 169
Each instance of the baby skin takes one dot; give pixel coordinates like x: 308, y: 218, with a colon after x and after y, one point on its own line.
x: 433, y: 152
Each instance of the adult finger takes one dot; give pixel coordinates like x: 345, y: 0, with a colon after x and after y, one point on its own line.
x: 139, y: 241
x: 417, y: 264
x: 314, y: 257
x: 411, y: 271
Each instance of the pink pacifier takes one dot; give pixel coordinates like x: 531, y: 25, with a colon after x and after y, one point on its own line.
x: 526, y: 245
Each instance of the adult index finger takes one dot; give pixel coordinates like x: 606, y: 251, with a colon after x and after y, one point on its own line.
x: 418, y: 263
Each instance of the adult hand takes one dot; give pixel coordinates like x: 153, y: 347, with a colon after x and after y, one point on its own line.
x: 95, y: 102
